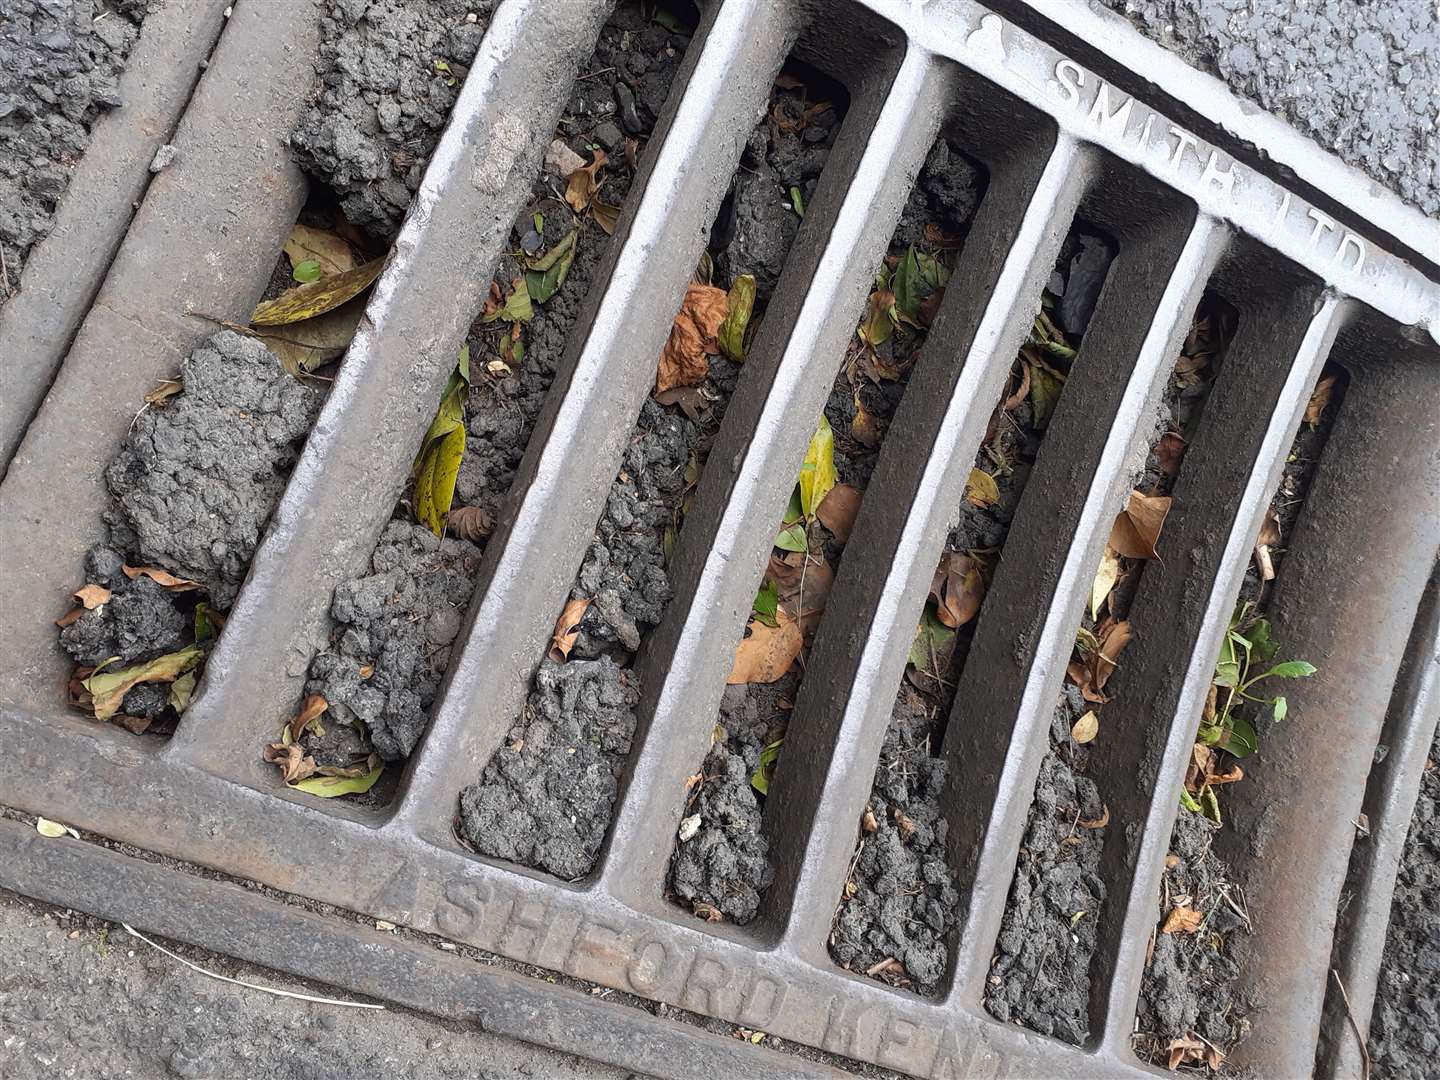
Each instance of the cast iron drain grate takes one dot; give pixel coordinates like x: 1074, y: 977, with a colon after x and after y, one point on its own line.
x: 1320, y: 267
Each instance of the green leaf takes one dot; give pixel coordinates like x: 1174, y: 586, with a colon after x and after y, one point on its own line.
x: 760, y: 778
x: 1263, y: 644
x: 205, y: 625
x: 908, y: 288
x: 1239, y: 737
x: 1209, y: 734
x: 1279, y: 707
x: 545, y: 275
x: 792, y: 529
x: 327, y: 787
x: 931, y: 639
x: 1227, y: 673
x: 108, y: 689
x: 1046, y: 385
x: 306, y: 270
x: 671, y: 21
x: 817, y: 474
x: 517, y: 307
x: 797, y: 201
x: 741, y: 302
x: 1187, y: 802
x: 767, y: 601
x: 1291, y: 669
x: 1241, y: 640
x: 441, y: 450
x: 932, y: 270
x: 539, y: 222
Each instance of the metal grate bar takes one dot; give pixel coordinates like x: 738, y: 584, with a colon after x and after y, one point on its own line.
x: 1222, y: 493
x: 845, y: 701
x: 138, y: 330
x: 64, y: 271
x: 356, y: 460
x: 1347, y: 599
x: 1389, y: 804
x: 531, y: 564
x: 1100, y: 430
x: 742, y: 494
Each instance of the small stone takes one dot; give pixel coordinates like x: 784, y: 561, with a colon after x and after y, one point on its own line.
x: 531, y: 242
x: 609, y: 135
x: 163, y: 158
x: 629, y: 116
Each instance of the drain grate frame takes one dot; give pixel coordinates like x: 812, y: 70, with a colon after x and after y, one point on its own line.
x: 1055, y: 139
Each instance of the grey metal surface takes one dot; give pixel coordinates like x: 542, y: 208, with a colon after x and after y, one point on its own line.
x: 1185, y: 212
x: 64, y: 272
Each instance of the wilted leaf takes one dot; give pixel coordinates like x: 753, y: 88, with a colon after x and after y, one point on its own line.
x: 182, y: 690
x: 305, y: 346
x: 981, y: 489
x: 582, y: 184
x: 606, y: 216
x: 1086, y: 728
x: 1137, y: 528
x: 958, y: 588
x: 803, y: 584
x: 1185, y: 1049
x: 291, y: 759
x: 879, y: 322
x: 1105, y: 578
x: 567, y: 628
x: 545, y: 275
x: 740, y: 303
x: 1182, y: 920
x: 691, y: 400
x: 1094, y: 669
x: 318, y: 297
x: 470, y: 523
x: 1169, y: 452
x: 1046, y: 385
x: 1013, y: 401
x: 167, y: 389
x: 310, y: 711
x: 330, y: 253
x: 1096, y: 823
x: 517, y: 307
x: 694, y: 333
x: 53, y: 829
x: 441, y: 450
x: 327, y: 787
x: 767, y: 653
x: 837, y: 510
x: 760, y: 778
x: 930, y: 650
x: 866, y: 428
x: 92, y: 596
x: 1319, y: 400
x: 162, y: 577
x: 108, y: 688
x: 817, y: 474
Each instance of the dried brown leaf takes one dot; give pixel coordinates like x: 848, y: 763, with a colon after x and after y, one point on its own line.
x: 1137, y: 528
x: 1105, y: 578
x: 294, y: 764
x: 161, y: 395
x: 606, y: 216
x: 567, y: 628
x: 1319, y: 400
x: 584, y: 182
x: 332, y: 252
x: 981, y: 489
x: 1096, y: 823
x: 958, y: 588
x: 1169, y: 452
x: 1094, y: 669
x: 689, y: 398
x: 1184, y: 1049
x: 1086, y: 728
x: 685, y: 359
x: 767, y: 653
x: 1182, y: 920
x: 310, y: 709
x: 162, y: 577
x: 470, y: 523
x: 1013, y: 401
x: 92, y: 596
x: 838, y: 509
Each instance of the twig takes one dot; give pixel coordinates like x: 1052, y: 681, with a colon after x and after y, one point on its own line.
x: 249, y: 985
x: 4, y: 273
x: 594, y: 74
x: 1355, y: 1026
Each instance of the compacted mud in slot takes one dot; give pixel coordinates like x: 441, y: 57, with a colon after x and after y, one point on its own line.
x: 899, y: 900
x: 1040, y: 973
x: 720, y: 867
x: 1190, y: 1012
x: 60, y: 66
x: 394, y: 626
x: 545, y: 799
x: 1405, y: 1023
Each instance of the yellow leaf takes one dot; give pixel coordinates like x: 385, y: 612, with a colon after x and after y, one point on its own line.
x: 435, y: 487
x: 1086, y: 728
x: 1105, y: 578
x: 318, y: 297
x: 108, y: 688
x: 327, y: 787
x: 332, y: 252
x: 305, y: 345
x: 52, y: 829
x: 981, y: 489
x: 818, y: 475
